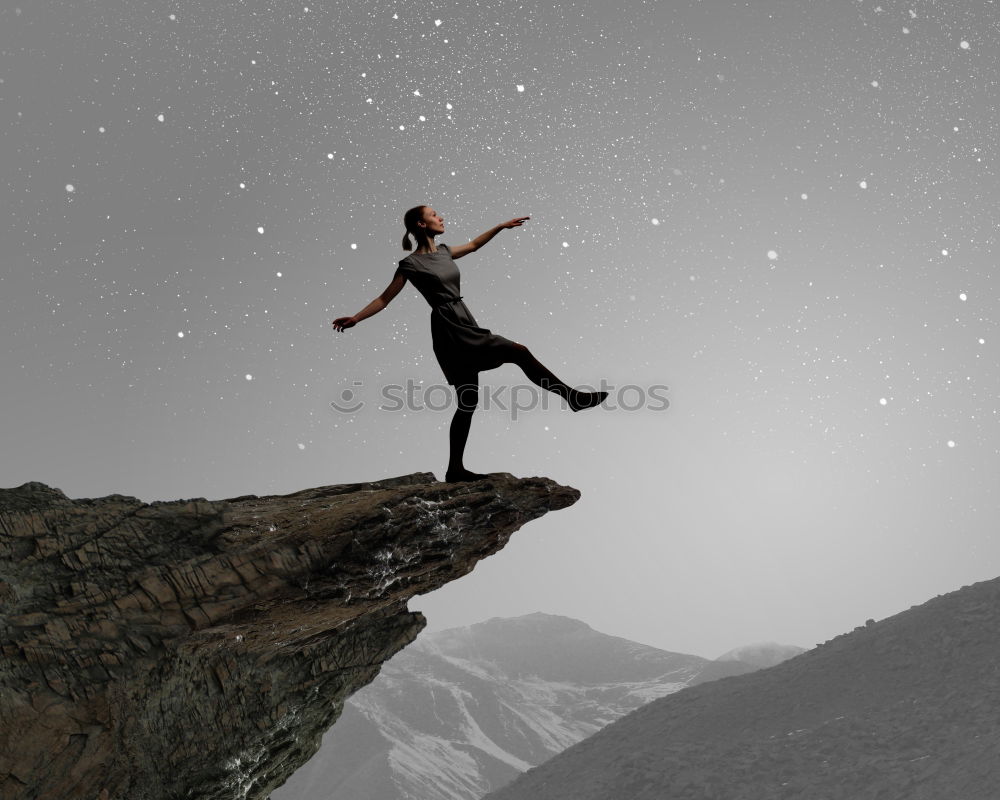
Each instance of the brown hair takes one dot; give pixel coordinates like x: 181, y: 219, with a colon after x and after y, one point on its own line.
x: 410, y: 220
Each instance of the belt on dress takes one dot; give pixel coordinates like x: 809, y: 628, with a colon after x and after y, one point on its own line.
x: 446, y: 302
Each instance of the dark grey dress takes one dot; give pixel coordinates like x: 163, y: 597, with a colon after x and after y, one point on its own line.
x: 462, y: 347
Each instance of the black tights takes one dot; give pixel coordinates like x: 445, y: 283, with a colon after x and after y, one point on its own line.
x: 467, y: 396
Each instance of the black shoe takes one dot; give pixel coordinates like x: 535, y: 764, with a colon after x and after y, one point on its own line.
x: 462, y: 475
x: 581, y: 400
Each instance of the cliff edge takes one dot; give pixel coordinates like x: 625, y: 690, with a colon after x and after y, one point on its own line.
x: 199, y: 649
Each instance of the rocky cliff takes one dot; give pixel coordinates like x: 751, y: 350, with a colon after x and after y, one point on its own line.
x: 199, y: 649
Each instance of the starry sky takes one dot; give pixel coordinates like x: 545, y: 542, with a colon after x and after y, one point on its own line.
x: 781, y: 212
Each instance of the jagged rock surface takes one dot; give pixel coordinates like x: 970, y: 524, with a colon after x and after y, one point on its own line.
x: 199, y: 649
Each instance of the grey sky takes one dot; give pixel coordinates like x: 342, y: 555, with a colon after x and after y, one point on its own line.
x: 783, y: 211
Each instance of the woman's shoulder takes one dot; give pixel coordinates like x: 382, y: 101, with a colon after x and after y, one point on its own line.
x: 412, y: 260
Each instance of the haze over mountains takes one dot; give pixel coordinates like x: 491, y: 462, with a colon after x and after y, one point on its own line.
x: 762, y: 654
x: 902, y: 709
x: 462, y: 712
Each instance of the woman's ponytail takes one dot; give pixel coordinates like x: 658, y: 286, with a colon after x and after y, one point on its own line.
x: 410, y: 220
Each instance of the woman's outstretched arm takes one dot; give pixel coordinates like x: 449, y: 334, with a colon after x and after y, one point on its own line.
x: 376, y: 305
x: 483, y: 238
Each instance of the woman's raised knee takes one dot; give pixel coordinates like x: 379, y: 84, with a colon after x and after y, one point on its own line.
x: 517, y: 352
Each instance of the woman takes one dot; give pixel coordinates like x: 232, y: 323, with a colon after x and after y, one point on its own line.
x: 462, y: 348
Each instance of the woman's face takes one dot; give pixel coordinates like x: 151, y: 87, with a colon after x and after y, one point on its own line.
x: 433, y: 221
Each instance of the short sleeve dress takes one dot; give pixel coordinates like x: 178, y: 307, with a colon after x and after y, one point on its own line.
x: 462, y: 348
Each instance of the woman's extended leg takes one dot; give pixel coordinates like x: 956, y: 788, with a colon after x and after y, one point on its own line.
x: 540, y: 375
x: 467, y: 397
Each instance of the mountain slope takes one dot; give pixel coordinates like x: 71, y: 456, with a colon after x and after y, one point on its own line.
x: 464, y: 711
x: 903, y: 708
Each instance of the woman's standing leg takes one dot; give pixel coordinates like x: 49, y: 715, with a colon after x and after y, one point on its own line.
x: 467, y: 398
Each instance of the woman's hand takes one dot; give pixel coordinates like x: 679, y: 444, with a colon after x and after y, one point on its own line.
x: 343, y: 323
x: 514, y: 223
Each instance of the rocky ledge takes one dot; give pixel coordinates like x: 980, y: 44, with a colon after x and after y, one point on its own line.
x: 199, y: 649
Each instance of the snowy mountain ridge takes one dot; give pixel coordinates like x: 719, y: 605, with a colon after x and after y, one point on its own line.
x: 463, y: 712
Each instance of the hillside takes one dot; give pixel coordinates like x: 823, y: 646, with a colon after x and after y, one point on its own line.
x: 902, y: 709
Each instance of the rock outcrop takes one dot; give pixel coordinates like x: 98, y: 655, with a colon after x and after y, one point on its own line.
x: 199, y: 649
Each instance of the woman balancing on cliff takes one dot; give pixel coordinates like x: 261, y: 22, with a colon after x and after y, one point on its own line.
x: 462, y: 348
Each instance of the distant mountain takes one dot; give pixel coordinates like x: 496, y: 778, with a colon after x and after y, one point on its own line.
x: 903, y: 709
x: 462, y: 712
x: 762, y: 654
